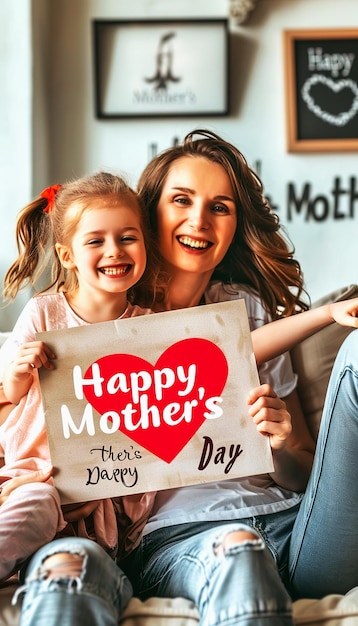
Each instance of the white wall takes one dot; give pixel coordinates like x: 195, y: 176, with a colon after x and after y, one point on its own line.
x: 15, y: 130
x: 78, y: 143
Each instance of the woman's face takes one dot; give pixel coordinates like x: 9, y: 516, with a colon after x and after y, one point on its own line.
x: 196, y: 215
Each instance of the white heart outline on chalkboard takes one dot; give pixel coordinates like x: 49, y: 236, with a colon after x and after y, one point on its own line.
x: 342, y: 118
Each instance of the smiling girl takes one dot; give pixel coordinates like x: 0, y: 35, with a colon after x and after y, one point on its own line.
x: 94, y: 230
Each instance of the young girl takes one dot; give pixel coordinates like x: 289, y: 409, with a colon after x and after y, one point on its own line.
x: 94, y: 231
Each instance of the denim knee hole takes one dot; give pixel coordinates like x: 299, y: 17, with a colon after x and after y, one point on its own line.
x: 236, y: 541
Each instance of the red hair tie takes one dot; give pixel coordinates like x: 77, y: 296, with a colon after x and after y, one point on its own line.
x: 49, y: 194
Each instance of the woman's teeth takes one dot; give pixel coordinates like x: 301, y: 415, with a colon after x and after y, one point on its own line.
x: 193, y: 243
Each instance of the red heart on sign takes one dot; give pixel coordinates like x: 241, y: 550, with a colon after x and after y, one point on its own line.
x: 159, y: 407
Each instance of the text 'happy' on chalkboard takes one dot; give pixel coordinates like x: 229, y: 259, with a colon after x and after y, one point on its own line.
x: 321, y: 73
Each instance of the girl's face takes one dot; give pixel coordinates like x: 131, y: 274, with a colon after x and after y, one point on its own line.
x: 196, y: 215
x: 107, y: 250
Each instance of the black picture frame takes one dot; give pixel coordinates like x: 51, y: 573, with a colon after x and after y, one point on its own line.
x: 161, y: 68
x: 321, y: 84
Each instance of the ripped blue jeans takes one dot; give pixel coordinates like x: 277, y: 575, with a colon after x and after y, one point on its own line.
x: 95, y: 598
x: 230, y: 584
x: 231, y: 581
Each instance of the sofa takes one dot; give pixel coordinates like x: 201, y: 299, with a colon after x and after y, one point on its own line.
x: 312, y: 361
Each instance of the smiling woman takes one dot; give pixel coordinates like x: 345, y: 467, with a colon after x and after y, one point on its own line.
x: 206, y: 207
x: 197, y: 216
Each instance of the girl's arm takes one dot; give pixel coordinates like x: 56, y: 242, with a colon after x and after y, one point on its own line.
x: 19, y: 373
x: 281, y: 335
x: 5, y: 407
x: 38, y: 476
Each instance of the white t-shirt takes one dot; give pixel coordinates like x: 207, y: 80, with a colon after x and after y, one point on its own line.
x: 278, y: 372
x: 231, y: 499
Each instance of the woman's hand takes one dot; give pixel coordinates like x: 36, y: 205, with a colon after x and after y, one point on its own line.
x: 18, y: 375
x: 270, y: 415
x: 345, y: 312
x: 40, y: 476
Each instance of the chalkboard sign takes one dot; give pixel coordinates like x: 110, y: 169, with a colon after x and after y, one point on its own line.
x: 321, y: 72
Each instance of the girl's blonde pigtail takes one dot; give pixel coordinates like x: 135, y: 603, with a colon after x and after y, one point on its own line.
x: 33, y: 234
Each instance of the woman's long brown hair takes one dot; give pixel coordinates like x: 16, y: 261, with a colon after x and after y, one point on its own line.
x: 260, y: 255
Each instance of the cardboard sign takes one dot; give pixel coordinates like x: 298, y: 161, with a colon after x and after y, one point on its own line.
x: 152, y: 402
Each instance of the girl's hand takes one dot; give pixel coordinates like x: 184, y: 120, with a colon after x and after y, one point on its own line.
x: 32, y: 355
x: 40, y: 476
x: 345, y: 312
x: 18, y: 375
x: 270, y: 415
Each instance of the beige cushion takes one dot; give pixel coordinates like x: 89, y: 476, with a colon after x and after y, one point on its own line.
x: 333, y: 610
x: 160, y: 612
x: 3, y: 337
x: 313, y: 359
x: 9, y: 615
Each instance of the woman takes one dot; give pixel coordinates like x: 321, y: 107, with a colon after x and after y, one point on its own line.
x: 240, y: 253
x: 226, y: 546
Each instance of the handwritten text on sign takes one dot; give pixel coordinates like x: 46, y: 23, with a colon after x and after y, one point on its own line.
x: 168, y: 409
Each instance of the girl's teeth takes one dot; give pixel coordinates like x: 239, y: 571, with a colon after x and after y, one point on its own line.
x: 114, y: 271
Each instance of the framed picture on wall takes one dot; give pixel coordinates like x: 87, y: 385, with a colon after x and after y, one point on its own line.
x: 161, y: 68
x: 321, y: 82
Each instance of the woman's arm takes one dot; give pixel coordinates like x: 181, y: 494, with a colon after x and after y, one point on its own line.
x: 291, y: 443
x: 281, y: 335
x: 293, y: 464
